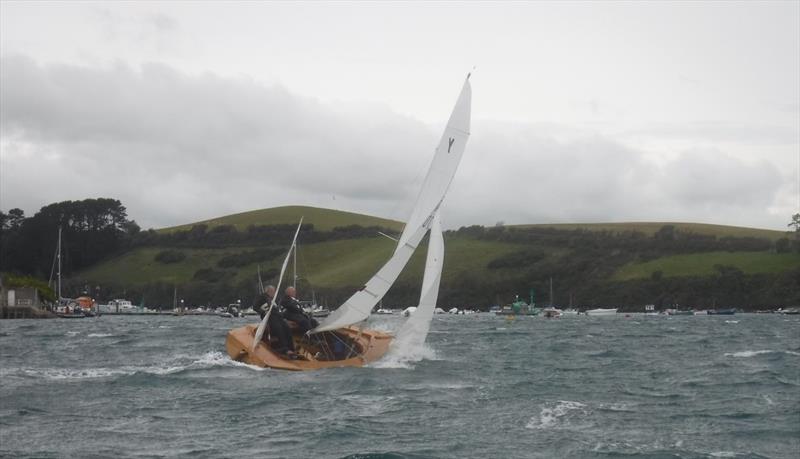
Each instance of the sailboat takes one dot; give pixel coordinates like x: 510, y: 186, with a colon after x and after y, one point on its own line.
x: 66, y: 308
x: 341, y: 339
x: 551, y: 312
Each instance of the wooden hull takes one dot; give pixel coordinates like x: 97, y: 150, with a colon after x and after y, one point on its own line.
x: 360, y: 348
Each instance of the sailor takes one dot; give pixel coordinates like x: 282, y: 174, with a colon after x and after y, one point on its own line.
x: 276, y: 325
x: 294, y: 312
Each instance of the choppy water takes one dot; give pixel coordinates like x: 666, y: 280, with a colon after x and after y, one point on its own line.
x: 688, y: 387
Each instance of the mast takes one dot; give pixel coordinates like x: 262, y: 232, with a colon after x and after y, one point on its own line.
x: 551, y: 292
x: 59, y: 263
x: 294, y: 276
x: 262, y: 326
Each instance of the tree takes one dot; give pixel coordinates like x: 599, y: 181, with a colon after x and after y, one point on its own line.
x: 795, y: 222
x: 15, y: 218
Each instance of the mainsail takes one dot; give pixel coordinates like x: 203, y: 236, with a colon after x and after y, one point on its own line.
x: 263, y: 325
x: 445, y: 162
x: 440, y: 174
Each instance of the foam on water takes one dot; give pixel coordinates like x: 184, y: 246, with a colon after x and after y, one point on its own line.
x: 175, y: 365
x: 755, y: 353
x: 404, y: 356
x: 555, y: 416
x: 99, y: 335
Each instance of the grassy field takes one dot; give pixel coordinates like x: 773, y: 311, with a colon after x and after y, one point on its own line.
x: 351, y: 262
x: 326, y: 264
x: 651, y: 228
x: 139, y: 266
x: 323, y: 219
x: 702, y: 264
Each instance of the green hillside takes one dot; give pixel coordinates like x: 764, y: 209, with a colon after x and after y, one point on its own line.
x: 349, y: 262
x: 703, y: 264
x: 609, y: 264
x: 650, y: 228
x: 322, y: 219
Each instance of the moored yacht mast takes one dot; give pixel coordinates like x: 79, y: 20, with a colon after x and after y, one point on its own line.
x: 59, y: 263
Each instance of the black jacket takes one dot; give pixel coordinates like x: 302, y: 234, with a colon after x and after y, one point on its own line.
x: 262, y: 300
x: 291, y: 307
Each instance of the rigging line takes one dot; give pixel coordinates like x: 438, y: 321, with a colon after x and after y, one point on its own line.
x: 360, y: 330
x: 323, y: 345
x: 386, y: 235
x: 350, y: 348
x: 305, y: 270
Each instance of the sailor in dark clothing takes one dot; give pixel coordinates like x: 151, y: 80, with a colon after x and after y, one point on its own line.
x: 294, y: 312
x: 276, y: 325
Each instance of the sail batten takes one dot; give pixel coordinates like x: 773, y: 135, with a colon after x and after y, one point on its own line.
x: 440, y: 175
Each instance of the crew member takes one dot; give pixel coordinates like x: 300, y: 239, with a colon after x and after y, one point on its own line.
x: 276, y: 325
x: 294, y: 312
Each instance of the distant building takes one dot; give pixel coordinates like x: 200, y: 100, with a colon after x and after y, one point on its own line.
x: 23, y: 296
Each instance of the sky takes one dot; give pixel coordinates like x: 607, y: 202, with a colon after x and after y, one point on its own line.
x: 581, y: 111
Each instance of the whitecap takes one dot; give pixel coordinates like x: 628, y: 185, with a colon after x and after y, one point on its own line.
x: 72, y: 333
x: 207, y: 360
x: 551, y: 417
x: 67, y: 374
x: 731, y: 321
x: 99, y: 335
x: 755, y: 353
x: 747, y: 353
x: 210, y: 359
x: 405, y: 356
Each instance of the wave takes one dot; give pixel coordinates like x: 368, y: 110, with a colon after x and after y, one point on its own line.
x: 205, y: 361
x: 405, y: 356
x: 555, y: 416
x: 755, y: 353
x: 99, y: 335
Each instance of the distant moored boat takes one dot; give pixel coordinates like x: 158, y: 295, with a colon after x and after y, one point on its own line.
x: 601, y: 312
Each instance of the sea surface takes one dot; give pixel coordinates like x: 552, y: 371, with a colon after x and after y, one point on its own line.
x: 484, y: 387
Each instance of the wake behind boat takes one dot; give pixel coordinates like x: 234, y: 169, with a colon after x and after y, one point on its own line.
x: 337, y: 341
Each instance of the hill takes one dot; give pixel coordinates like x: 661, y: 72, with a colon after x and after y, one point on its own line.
x: 626, y: 265
x: 650, y: 228
x: 322, y: 219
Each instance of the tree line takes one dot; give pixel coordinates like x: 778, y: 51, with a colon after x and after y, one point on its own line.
x: 92, y: 230
x: 582, y: 264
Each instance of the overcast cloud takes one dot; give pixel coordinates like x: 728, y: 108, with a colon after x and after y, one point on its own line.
x: 179, y: 141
